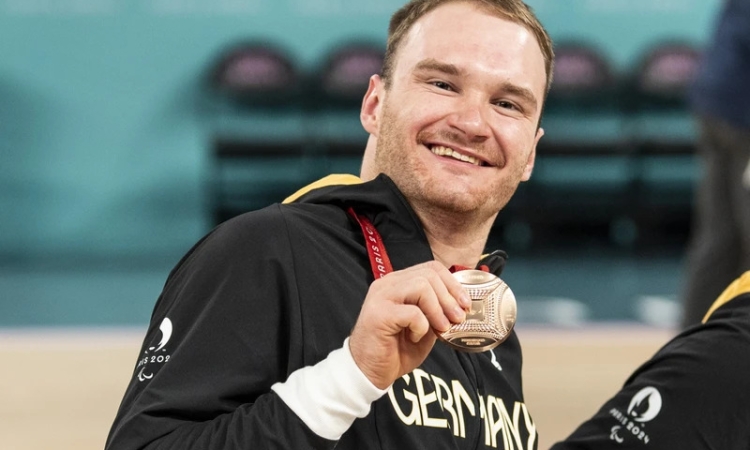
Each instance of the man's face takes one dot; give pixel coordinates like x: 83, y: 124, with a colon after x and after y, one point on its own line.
x: 457, y: 128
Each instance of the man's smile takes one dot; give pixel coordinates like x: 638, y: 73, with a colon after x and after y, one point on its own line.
x: 441, y: 150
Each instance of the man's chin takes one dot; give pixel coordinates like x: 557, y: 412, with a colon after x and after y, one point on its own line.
x: 457, y: 202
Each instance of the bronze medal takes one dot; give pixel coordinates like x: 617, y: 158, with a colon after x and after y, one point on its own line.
x: 491, y: 317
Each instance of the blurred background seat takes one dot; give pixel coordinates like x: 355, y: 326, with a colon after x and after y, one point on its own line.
x: 339, y: 84
x: 260, y: 149
x: 661, y: 132
x: 584, y: 167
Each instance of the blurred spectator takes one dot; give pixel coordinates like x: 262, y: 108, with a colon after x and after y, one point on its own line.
x: 719, y: 250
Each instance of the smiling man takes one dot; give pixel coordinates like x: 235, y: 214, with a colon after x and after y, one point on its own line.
x: 453, y: 120
x: 314, y: 324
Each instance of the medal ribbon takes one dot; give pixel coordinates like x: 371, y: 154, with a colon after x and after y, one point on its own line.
x: 379, y: 261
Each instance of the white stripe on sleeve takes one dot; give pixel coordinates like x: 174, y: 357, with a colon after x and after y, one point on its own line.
x: 330, y: 395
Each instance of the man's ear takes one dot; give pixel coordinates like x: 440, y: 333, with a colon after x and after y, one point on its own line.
x: 532, y: 156
x: 369, y: 115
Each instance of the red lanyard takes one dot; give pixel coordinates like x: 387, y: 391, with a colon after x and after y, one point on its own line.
x: 381, y: 264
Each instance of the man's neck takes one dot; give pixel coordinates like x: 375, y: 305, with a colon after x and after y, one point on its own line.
x: 455, y: 240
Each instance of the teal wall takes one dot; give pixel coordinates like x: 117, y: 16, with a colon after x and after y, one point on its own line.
x: 103, y: 148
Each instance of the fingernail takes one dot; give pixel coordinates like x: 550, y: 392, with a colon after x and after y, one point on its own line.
x: 465, y: 300
x: 459, y: 314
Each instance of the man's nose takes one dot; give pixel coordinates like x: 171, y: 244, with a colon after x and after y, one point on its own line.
x: 470, y: 118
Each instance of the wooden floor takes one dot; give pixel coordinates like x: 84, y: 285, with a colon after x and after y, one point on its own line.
x: 61, y: 389
x: 568, y: 374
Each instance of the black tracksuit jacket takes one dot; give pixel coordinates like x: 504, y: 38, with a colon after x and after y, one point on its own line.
x: 275, y: 290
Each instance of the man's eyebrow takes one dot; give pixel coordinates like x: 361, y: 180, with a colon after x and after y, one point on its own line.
x: 432, y: 64
x: 519, y: 91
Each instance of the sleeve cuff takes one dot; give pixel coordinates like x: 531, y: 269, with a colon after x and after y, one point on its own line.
x: 330, y: 395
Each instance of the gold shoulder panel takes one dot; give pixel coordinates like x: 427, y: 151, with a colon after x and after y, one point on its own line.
x: 330, y: 180
x: 738, y: 287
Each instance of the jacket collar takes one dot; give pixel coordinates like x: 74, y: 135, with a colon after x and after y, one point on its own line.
x: 383, y: 204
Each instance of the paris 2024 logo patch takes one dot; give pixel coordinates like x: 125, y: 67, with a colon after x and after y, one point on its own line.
x: 156, y: 355
x: 632, y: 424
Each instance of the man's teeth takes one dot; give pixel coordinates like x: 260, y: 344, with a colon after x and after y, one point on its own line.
x: 445, y: 151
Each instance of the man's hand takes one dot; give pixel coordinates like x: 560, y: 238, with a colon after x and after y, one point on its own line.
x: 394, y: 332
